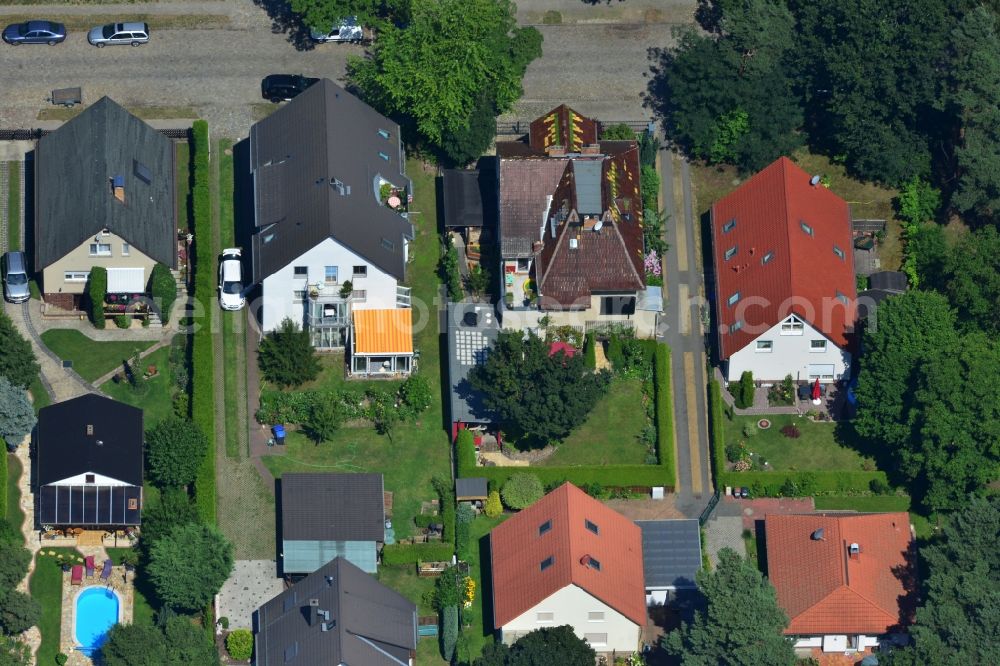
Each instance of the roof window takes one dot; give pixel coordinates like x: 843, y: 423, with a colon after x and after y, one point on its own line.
x: 731, y: 252
x: 766, y: 259
x: 805, y: 227
x: 843, y: 298
x: 729, y: 226
x: 737, y: 325
x: 734, y: 299
x: 142, y: 172
x: 544, y: 527
x: 837, y: 251
x: 384, y: 156
x: 591, y: 526
x: 388, y: 244
x: 383, y: 133
x: 546, y: 563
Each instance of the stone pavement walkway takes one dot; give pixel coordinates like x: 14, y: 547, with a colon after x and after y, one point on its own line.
x: 61, y: 383
x: 723, y: 532
x: 252, y: 583
x: 32, y: 637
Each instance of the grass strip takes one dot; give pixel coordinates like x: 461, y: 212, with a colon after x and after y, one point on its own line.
x: 91, y: 359
x: 81, y: 23
x: 14, y: 206
x: 39, y: 396
x: 202, y: 361
x: 45, y: 587
x: 228, y: 238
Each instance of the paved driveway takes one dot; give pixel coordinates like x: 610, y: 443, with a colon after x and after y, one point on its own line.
x: 599, y: 68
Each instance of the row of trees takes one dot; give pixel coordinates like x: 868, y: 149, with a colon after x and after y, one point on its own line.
x: 444, y: 68
x: 894, y: 90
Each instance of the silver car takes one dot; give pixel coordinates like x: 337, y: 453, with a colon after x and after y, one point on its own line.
x: 135, y: 34
x: 15, y: 277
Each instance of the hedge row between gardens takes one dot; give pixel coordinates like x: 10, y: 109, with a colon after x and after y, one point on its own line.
x: 769, y: 484
x: 3, y: 475
x: 202, y: 360
x: 399, y: 553
x: 610, y: 476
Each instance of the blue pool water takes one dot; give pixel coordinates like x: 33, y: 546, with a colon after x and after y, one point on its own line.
x: 96, y: 613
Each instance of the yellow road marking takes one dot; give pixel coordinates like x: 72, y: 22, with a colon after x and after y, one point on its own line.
x: 694, y: 447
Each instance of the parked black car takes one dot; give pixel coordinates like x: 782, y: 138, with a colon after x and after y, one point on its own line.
x: 35, y: 32
x: 279, y: 87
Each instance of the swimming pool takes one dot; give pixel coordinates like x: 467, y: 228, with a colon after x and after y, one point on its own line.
x: 97, y: 610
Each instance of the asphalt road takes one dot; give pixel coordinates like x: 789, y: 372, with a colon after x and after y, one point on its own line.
x: 599, y: 69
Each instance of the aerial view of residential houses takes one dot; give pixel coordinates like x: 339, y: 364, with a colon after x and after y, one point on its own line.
x: 568, y: 333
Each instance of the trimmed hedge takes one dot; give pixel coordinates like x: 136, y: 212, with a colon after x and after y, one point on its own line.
x: 664, y: 414
x: 589, y: 351
x: 398, y: 553
x: 609, y: 476
x: 163, y: 288
x: 202, y: 360
x: 465, y: 447
x: 446, y: 500
x: 769, y: 484
x: 97, y: 289
x: 6, y: 481
x: 449, y: 632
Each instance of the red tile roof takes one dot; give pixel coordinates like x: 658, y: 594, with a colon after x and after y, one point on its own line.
x: 825, y: 590
x: 803, y: 274
x: 517, y: 551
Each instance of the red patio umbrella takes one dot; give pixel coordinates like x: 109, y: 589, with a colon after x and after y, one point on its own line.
x: 816, y: 390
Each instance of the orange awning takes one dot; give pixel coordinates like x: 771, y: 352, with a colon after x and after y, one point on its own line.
x: 383, y: 331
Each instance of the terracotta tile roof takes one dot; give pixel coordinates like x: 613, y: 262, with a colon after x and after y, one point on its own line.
x: 803, y: 273
x: 517, y: 551
x: 525, y: 185
x: 383, y: 331
x: 823, y: 588
x: 606, y: 260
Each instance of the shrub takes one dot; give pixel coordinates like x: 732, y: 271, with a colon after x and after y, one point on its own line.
x: 425, y: 520
x: 744, y: 391
x: 493, y: 506
x: 789, y: 488
x: 61, y: 659
x: 749, y: 429
x: 735, y: 452
x: 325, y: 418
x: 590, y: 351
x: 615, y: 354
x: 18, y: 612
x: 449, y: 632
x: 286, y: 355
x: 416, y: 393
x: 174, y: 450
x: 97, y: 289
x: 649, y: 181
x: 448, y: 269
x: 239, y: 644
x: 522, y: 490
x: 17, y: 415
x: 123, y: 321
x: 879, y: 486
x: 790, y: 431
x: 619, y: 132
x: 163, y: 289
x: 649, y: 145
x: 664, y: 413
x: 465, y: 446
x: 446, y: 500
x: 463, y: 518
x: 17, y: 362
x: 419, y: 552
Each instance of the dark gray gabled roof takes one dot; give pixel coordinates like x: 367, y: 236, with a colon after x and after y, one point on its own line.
x: 332, y: 507
x: 113, y: 447
x: 463, y: 199
x: 317, y: 164
x: 74, y: 167
x: 369, y: 624
x: 671, y: 552
x: 469, y: 341
x: 890, y: 281
x: 475, y: 487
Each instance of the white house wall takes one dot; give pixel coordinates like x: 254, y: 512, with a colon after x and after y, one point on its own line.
x: 279, y: 300
x: 572, y: 605
x: 789, y: 355
x: 81, y: 480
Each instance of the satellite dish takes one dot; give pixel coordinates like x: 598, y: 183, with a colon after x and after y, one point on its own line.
x: 599, y: 225
x: 814, y: 181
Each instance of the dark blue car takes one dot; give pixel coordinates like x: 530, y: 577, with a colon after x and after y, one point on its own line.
x: 35, y: 32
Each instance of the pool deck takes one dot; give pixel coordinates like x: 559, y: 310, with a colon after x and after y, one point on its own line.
x: 69, y: 594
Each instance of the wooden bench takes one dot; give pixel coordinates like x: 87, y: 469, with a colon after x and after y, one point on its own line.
x: 431, y: 568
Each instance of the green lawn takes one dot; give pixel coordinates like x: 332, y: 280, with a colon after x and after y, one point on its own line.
x: 332, y: 376
x: 154, y: 396
x: 404, y: 579
x: 233, y: 334
x: 477, y: 620
x: 610, y: 435
x: 417, y: 451
x: 816, y: 448
x: 39, y: 396
x: 142, y: 610
x: 91, y: 359
x: 46, y: 588
x: 14, y: 514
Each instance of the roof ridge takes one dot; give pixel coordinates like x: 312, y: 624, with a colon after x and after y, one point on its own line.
x: 628, y: 259
x: 783, y: 162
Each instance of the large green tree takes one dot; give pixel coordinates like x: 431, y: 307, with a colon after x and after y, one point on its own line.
x: 445, y: 70
x: 959, y: 621
x: 18, y: 612
x: 286, y: 355
x: 189, y: 565
x: 539, y: 397
x: 973, y: 279
x: 551, y: 645
x: 17, y: 416
x: 14, y: 652
x: 178, y: 643
x: 174, y: 508
x: 17, y: 362
x: 325, y: 14
x: 975, y: 70
x: 175, y: 448
x: 741, y: 624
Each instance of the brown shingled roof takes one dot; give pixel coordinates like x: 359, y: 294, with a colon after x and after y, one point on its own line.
x: 517, y: 551
x: 524, y: 188
x: 823, y: 588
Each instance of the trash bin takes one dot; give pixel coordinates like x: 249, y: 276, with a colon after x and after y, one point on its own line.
x: 279, y: 434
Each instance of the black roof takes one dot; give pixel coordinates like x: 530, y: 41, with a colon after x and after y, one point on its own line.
x: 475, y: 488
x: 671, y: 552
x: 89, y: 505
x: 463, y: 198
x: 316, y: 164
x: 332, y: 507
x: 472, y: 329
x: 891, y: 281
x: 368, y: 625
x: 112, y: 448
x: 74, y: 168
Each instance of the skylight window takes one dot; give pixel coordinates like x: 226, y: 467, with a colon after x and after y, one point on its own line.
x: 544, y: 527
x: 737, y: 325
x: 383, y: 133
x: 734, y: 299
x: 546, y: 563
x: 731, y: 252
x: 843, y: 298
x: 594, y: 564
x: 592, y: 527
x: 384, y: 156
x: 766, y: 259
x: 729, y: 226
x: 806, y: 228
x: 837, y: 251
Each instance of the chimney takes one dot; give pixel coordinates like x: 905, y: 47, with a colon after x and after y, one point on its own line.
x: 118, y: 187
x: 591, y: 149
x: 585, y: 560
x: 555, y: 151
x: 815, y: 180
x: 90, y: 429
x: 314, y: 612
x: 854, y: 551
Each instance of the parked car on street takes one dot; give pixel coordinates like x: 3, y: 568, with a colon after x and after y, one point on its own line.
x: 135, y: 34
x: 283, y: 87
x: 231, y: 280
x: 15, y: 277
x: 35, y: 32
x: 347, y: 31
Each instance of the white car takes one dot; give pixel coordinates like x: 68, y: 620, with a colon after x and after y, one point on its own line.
x: 231, y: 280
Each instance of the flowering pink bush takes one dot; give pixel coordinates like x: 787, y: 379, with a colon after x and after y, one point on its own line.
x: 652, y: 263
